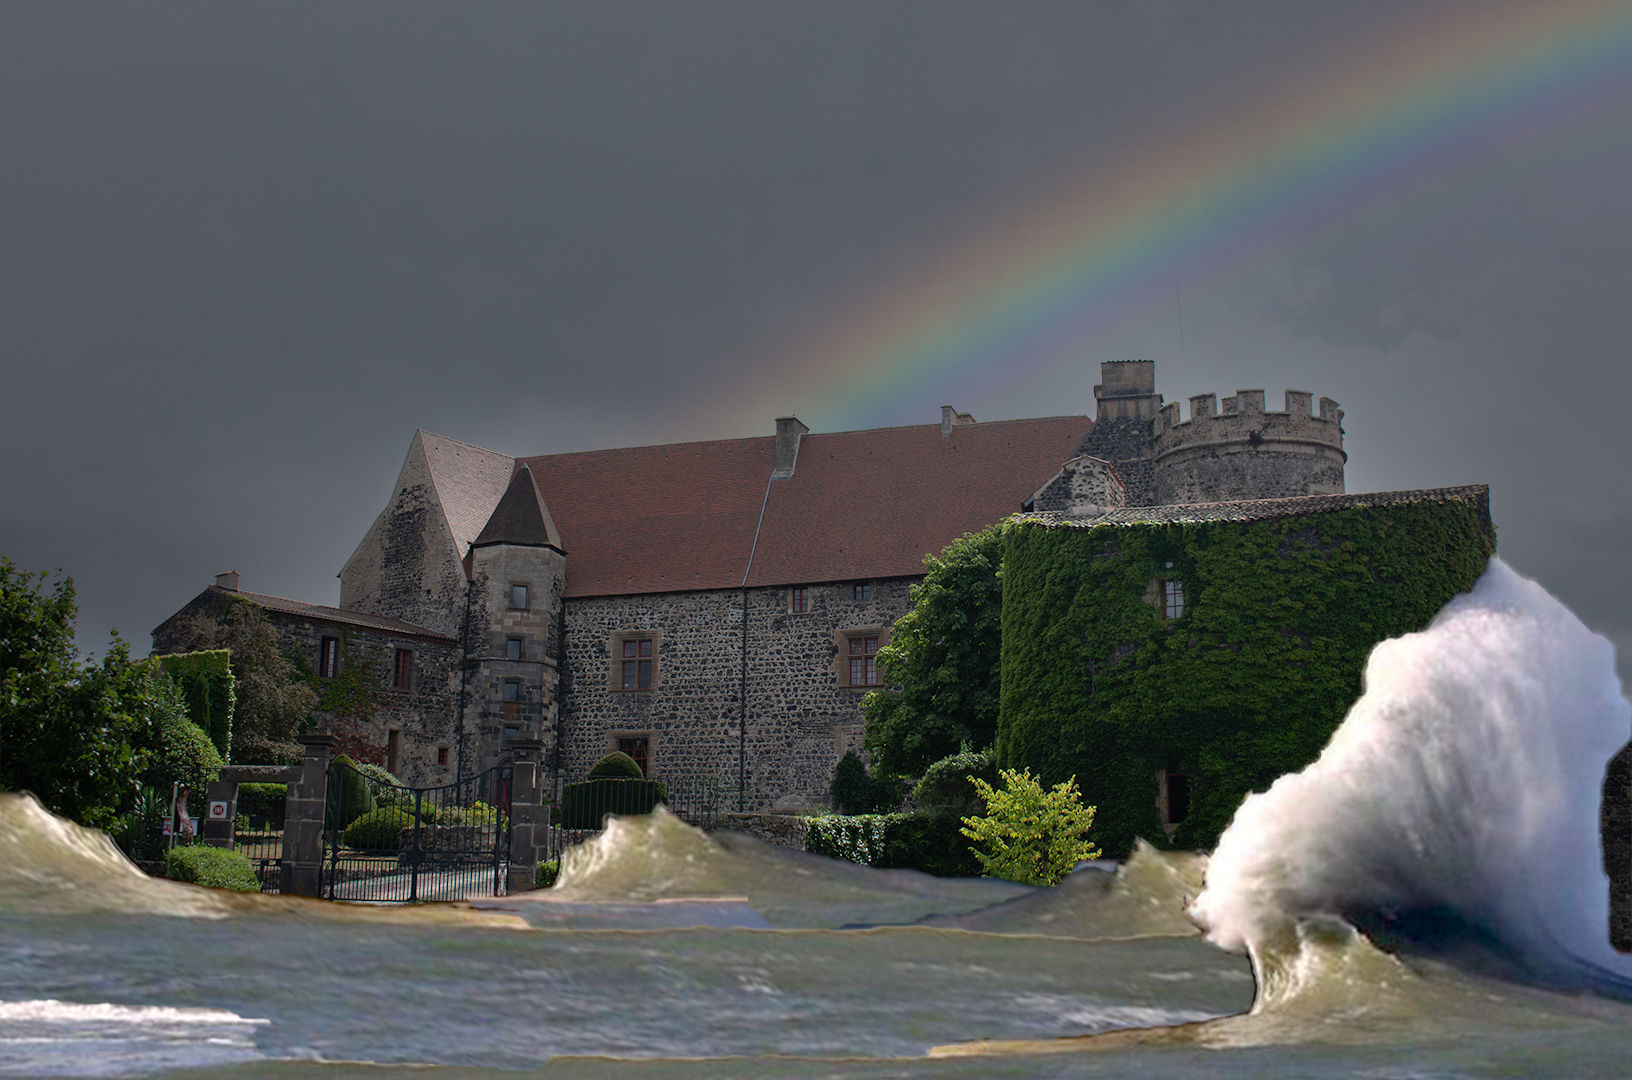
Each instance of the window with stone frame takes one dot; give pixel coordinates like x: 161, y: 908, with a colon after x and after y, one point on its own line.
x: 637, y: 746
x: 858, y: 656
x: 518, y: 596
x: 402, y: 677
x: 328, y: 658
x: 634, y: 664
x: 799, y: 599
x: 512, y: 648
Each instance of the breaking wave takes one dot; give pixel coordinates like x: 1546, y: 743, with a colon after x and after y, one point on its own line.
x: 1454, y: 814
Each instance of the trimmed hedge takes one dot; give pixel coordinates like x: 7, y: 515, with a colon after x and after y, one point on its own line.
x: 584, y: 805
x: 216, y: 868
x: 855, y: 792
x: 617, y: 764
x: 929, y: 841
x: 210, y: 690
x: 1247, y: 684
x: 355, y: 795
x: 263, y: 800
x: 379, y: 830
x: 947, y: 783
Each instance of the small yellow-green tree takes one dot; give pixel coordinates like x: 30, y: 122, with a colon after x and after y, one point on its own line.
x: 1028, y: 834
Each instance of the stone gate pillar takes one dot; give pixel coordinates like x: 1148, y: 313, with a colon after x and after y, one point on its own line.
x: 303, y: 819
x: 529, y: 817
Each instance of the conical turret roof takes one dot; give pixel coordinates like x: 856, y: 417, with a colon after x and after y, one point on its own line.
x: 521, y: 517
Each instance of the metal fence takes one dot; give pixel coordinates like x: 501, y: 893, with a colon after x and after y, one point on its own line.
x: 698, y: 801
x: 384, y: 842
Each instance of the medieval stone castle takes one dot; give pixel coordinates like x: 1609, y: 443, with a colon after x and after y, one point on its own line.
x: 715, y: 609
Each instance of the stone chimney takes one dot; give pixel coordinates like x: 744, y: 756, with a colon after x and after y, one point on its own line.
x: 951, y: 418
x: 788, y: 431
x: 228, y: 581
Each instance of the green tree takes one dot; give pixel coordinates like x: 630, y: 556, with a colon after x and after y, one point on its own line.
x: 1028, y: 834
x: 181, y: 752
x: 274, y: 699
x: 942, y: 662
x: 77, y: 736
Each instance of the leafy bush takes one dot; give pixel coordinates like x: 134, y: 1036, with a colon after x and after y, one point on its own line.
x: 140, y: 833
x: 547, y: 872
x: 263, y: 800
x: 946, y: 783
x: 1030, y: 835
x: 929, y: 841
x: 388, y: 790
x: 183, y: 752
x: 208, y: 686
x: 477, y: 813
x: 854, y: 792
x: 218, y: 868
x: 618, y: 764
x: 584, y: 805
x: 349, y: 792
x: 944, y: 659
x: 378, y: 830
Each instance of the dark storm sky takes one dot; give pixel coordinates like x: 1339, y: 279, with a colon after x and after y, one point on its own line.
x: 248, y: 249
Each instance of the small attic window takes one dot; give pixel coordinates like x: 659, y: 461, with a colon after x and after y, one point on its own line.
x: 518, y: 598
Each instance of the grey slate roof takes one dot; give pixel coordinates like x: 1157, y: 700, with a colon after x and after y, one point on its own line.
x: 469, y: 483
x: 1260, y: 509
x: 334, y: 615
x: 520, y: 517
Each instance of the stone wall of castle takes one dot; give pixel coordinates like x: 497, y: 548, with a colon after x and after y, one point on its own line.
x: 1243, y: 451
x: 422, y: 715
x: 801, y: 715
x: 406, y: 566
x: 515, y: 646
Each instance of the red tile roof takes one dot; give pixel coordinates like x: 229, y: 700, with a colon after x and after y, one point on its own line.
x: 320, y: 613
x: 860, y: 504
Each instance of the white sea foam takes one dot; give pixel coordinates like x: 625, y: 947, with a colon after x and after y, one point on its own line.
x: 1466, y: 780
x: 51, y: 1011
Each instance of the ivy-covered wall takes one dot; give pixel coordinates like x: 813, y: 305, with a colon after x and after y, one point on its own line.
x: 208, y: 686
x: 1247, y: 684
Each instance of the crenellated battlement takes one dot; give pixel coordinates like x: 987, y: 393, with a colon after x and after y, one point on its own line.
x: 1234, y: 449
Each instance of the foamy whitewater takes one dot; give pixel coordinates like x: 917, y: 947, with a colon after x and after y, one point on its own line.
x: 1425, y: 900
x: 1463, y: 785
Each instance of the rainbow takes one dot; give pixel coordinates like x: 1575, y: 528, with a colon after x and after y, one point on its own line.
x: 1411, y: 105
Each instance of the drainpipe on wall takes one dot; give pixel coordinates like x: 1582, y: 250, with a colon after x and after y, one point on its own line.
x: 464, y: 680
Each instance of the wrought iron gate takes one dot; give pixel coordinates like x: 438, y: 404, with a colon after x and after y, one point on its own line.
x: 385, y: 842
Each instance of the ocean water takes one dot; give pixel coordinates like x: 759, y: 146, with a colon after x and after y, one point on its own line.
x: 1426, y: 900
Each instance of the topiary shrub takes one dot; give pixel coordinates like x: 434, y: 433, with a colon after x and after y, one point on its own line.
x: 263, y: 801
x: 379, y: 830
x: 586, y: 804
x: 350, y: 794
x: 945, y: 784
x: 854, y: 792
x: 216, y: 868
x: 387, y: 789
x: 617, y: 764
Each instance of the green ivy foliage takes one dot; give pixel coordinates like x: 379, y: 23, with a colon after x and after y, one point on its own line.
x: 209, y: 689
x: 183, y: 753
x: 1248, y: 684
x: 942, y: 661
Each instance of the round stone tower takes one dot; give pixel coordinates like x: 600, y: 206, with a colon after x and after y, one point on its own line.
x: 1244, y: 452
